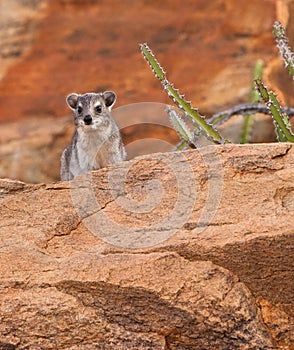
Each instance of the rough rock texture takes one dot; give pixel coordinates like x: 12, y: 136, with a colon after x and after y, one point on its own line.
x: 18, y: 23
x: 51, y: 48
x: 208, y: 49
x: 170, y: 251
x: 188, y: 250
x: 30, y: 150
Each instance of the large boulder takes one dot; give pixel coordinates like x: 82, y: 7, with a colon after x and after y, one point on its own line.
x: 189, y: 250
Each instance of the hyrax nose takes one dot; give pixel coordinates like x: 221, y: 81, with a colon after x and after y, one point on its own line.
x: 87, y: 119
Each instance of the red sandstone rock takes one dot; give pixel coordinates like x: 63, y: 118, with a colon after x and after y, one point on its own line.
x: 208, y: 49
x: 214, y: 272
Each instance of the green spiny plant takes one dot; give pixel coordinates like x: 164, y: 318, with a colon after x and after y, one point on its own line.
x: 211, y: 133
x: 247, y: 127
x: 280, y: 118
x: 188, y: 137
x: 283, y: 46
x: 208, y: 125
x: 244, y: 109
x: 183, y: 130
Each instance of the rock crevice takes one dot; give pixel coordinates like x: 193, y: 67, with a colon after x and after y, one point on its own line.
x: 125, y: 277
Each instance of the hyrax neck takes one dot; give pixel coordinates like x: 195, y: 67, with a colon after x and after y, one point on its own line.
x: 88, y: 138
x: 93, y: 148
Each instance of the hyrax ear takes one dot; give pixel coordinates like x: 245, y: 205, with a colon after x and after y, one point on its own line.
x: 72, y: 101
x: 109, y: 98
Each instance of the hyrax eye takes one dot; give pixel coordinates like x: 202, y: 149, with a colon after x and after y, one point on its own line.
x: 80, y: 109
x: 98, y: 109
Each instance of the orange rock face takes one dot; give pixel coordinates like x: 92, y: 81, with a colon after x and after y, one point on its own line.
x: 207, y: 48
x: 188, y: 250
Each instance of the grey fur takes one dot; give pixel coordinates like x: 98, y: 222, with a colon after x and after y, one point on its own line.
x: 96, y: 141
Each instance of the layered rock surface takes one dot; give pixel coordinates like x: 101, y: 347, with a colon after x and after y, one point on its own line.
x: 186, y: 250
x: 52, y: 48
x: 30, y: 150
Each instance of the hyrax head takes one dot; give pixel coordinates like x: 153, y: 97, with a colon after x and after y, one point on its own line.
x: 91, y: 109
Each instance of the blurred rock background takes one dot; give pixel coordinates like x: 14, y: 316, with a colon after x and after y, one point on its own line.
x: 51, y: 48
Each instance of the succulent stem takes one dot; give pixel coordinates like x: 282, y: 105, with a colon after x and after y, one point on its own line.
x: 283, y: 46
x: 246, y: 134
x: 281, y: 121
x: 210, y: 132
